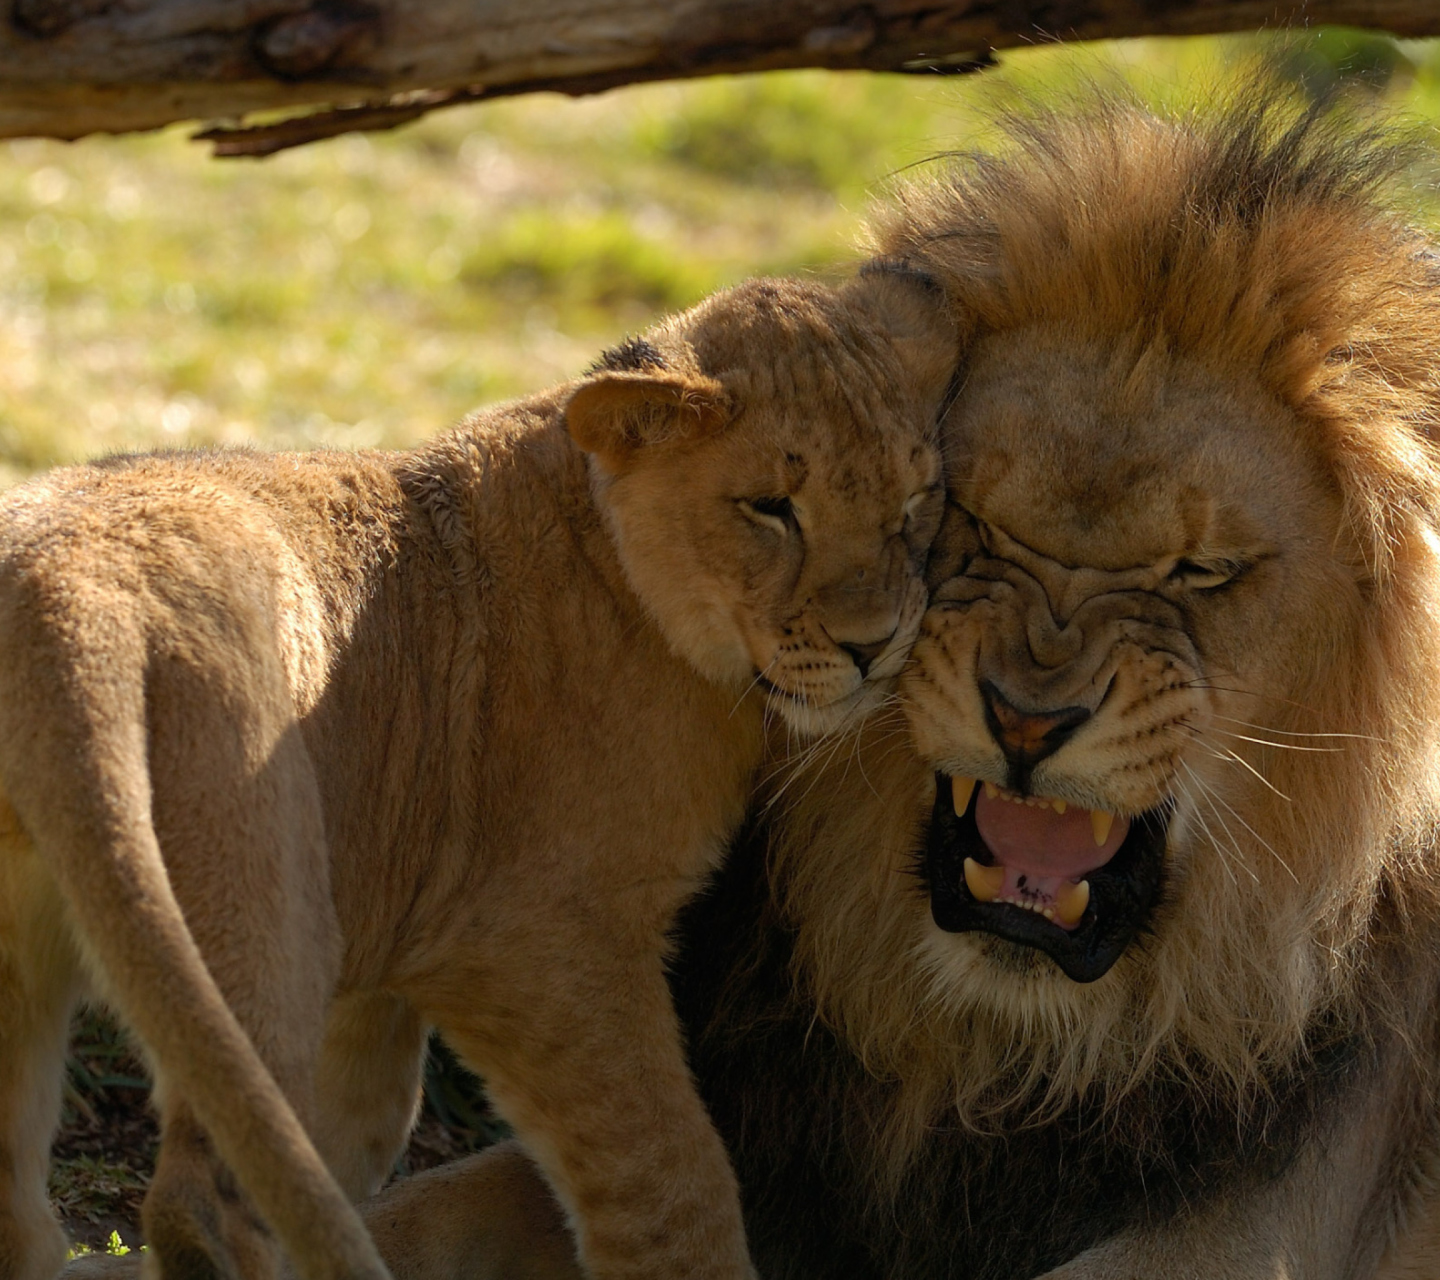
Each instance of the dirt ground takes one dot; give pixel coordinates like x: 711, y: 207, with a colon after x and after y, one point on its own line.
x: 104, y: 1153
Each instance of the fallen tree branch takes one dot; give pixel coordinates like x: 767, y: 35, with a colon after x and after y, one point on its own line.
x: 74, y: 67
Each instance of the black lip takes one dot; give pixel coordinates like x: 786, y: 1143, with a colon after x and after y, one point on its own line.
x: 1123, y: 892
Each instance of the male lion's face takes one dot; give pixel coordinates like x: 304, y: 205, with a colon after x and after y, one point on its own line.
x: 1137, y: 564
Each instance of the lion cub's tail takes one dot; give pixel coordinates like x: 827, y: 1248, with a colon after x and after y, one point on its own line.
x: 74, y: 763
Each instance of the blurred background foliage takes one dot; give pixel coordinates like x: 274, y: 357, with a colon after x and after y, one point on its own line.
x: 371, y: 289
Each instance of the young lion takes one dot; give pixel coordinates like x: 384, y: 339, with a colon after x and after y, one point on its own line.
x: 304, y: 753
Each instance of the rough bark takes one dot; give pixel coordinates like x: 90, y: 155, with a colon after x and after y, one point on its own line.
x: 73, y: 67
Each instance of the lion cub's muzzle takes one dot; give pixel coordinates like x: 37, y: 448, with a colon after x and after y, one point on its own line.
x: 829, y: 672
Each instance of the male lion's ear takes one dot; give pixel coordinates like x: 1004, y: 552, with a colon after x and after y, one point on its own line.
x: 923, y: 324
x: 612, y: 414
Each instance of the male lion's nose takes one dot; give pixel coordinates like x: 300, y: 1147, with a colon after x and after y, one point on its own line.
x: 862, y: 655
x: 1027, y: 737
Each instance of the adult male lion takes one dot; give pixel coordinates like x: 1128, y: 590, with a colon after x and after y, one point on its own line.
x: 1190, y: 582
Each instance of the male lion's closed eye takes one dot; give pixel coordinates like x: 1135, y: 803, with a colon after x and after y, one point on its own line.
x: 1205, y: 574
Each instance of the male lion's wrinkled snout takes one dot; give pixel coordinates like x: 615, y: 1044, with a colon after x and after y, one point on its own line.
x: 1053, y: 786
x: 1028, y: 737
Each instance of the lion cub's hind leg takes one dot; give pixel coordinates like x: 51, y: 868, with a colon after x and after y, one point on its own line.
x: 367, y: 1090
x: 39, y: 983
x: 489, y: 1216
x: 239, y: 821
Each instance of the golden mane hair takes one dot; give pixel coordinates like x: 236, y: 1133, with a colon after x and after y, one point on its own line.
x: 1266, y: 242
x: 1257, y: 238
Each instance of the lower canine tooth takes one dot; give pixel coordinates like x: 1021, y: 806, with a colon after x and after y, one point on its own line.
x: 1071, y: 901
x: 961, y: 789
x: 984, y: 882
x: 1100, y: 824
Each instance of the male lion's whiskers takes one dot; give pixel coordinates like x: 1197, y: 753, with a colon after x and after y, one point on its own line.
x: 1279, y: 746
x: 1218, y: 752
x: 1216, y: 799
x: 1234, y: 856
x: 1225, y: 858
x: 1245, y: 764
x: 1204, y: 683
x: 1296, y: 733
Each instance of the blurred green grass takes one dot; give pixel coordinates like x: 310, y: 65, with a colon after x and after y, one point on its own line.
x: 372, y: 289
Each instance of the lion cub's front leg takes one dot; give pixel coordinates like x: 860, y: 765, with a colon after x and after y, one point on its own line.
x: 588, y: 1067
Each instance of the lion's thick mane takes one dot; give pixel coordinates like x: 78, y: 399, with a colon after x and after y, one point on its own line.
x: 1261, y: 245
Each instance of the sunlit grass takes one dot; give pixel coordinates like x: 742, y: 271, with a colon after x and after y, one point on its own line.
x: 114, y: 1246
x: 370, y: 290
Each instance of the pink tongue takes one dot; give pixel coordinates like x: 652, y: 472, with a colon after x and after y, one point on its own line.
x: 1040, y: 843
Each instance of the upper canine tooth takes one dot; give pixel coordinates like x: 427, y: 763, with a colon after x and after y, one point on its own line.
x: 1100, y: 824
x: 984, y: 883
x: 1071, y: 901
x: 962, y: 789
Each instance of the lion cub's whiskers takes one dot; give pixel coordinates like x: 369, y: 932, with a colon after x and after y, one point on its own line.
x: 760, y: 675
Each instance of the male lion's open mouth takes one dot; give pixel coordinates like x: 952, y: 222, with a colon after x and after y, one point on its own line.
x: 1078, y: 884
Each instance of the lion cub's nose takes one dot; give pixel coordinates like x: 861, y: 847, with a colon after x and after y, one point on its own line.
x: 1027, y: 737
x: 862, y: 655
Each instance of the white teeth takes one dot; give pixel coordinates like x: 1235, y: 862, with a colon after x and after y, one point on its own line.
x: 994, y: 792
x: 1100, y: 824
x: 1071, y: 901
x: 962, y: 789
x: 983, y: 882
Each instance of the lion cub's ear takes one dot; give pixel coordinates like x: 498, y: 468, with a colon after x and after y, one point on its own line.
x: 612, y: 414
x: 912, y: 306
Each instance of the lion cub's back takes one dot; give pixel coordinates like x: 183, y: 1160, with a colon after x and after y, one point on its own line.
x: 207, y: 552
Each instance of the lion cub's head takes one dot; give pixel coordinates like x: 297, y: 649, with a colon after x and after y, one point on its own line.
x: 768, y: 466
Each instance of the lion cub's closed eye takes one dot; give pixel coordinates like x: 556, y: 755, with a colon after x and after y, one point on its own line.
x: 313, y: 752
x: 786, y: 552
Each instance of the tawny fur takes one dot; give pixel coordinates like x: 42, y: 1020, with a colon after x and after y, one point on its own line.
x: 1188, y: 337
x: 1205, y: 340
x: 1201, y: 376
x: 302, y: 754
